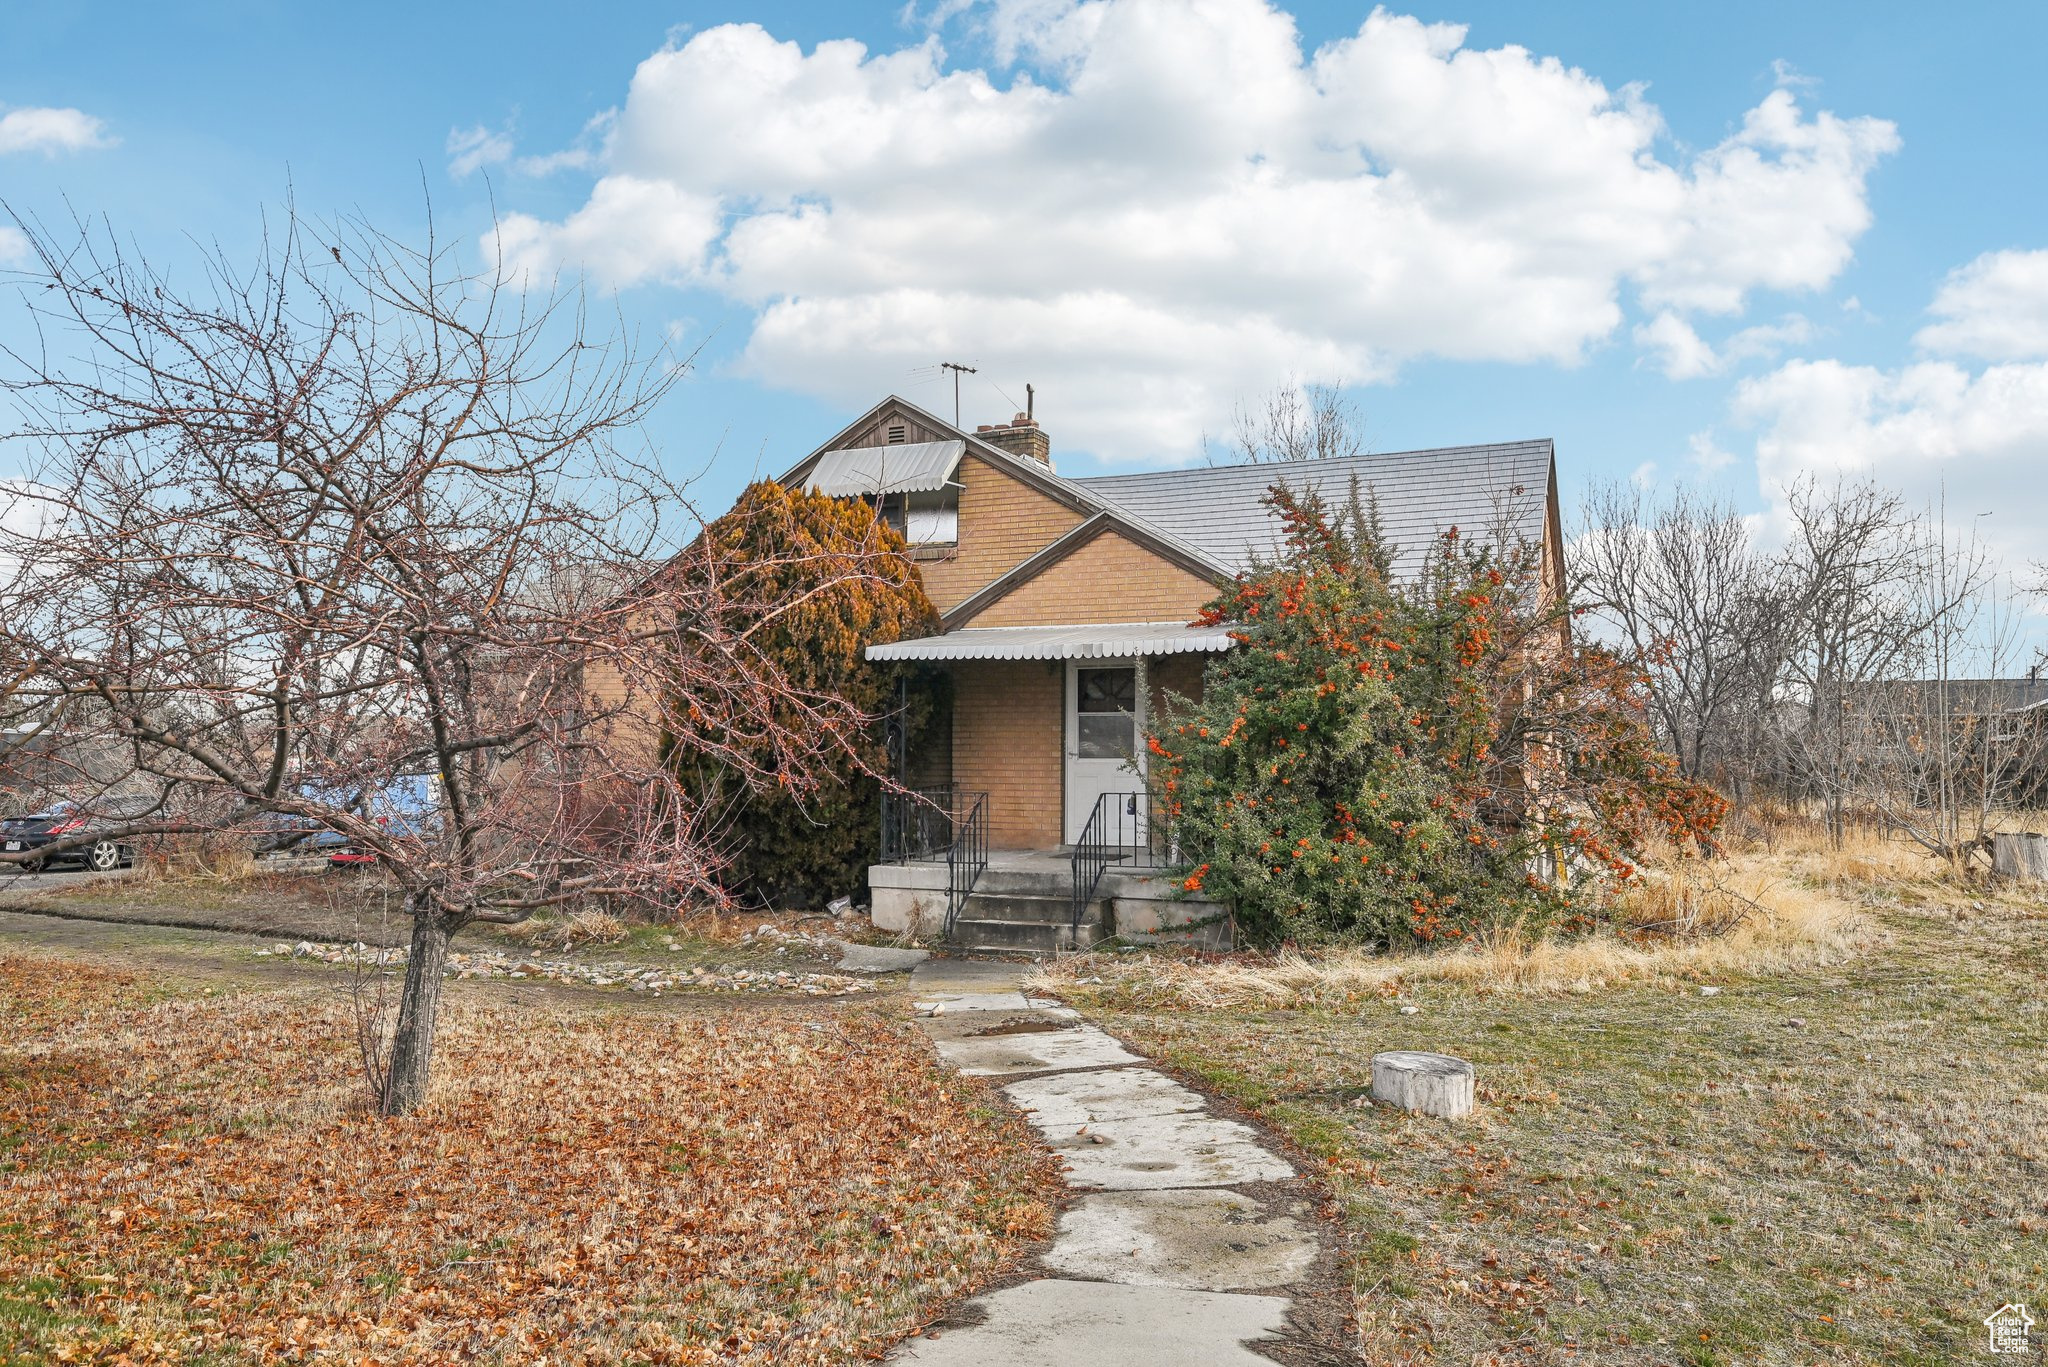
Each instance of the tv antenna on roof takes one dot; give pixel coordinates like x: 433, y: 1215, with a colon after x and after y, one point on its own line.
x: 957, y: 370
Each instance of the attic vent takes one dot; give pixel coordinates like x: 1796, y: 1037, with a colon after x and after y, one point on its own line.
x: 898, y: 434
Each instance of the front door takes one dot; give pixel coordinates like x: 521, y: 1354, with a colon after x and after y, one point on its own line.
x: 1105, y: 724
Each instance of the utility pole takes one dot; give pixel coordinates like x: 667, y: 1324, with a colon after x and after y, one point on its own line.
x: 956, y: 368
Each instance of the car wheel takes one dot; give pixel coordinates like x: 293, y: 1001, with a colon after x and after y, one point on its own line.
x: 34, y: 865
x: 104, y: 857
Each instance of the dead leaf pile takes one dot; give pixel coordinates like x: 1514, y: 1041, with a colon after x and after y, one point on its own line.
x: 195, y: 1178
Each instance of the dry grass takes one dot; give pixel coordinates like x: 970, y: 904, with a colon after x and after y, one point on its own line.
x: 1755, y: 919
x: 577, y: 929
x: 1841, y: 1156
x: 1866, y: 855
x: 194, y: 1179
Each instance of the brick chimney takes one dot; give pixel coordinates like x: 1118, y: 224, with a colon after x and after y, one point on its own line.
x: 1021, y: 436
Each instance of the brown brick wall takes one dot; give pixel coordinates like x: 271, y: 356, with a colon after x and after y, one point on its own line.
x: 1180, y: 674
x: 1007, y: 741
x: 1111, y: 579
x: 635, y: 722
x: 1003, y: 523
x: 1009, y: 719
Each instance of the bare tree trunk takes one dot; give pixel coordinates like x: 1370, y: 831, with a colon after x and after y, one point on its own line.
x: 412, y: 1043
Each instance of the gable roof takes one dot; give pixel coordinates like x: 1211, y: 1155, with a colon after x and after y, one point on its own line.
x: 1499, y: 490
x: 1033, y: 473
x: 1211, y: 518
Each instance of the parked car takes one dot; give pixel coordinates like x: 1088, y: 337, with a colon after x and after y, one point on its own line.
x: 407, y: 805
x: 66, y: 821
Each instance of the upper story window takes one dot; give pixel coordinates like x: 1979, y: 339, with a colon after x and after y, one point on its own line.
x: 925, y: 519
x: 914, y: 485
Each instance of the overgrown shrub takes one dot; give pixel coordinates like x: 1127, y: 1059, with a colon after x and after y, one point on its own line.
x: 1404, y: 760
x: 848, y: 583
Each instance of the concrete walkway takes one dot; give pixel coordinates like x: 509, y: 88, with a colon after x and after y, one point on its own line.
x: 1172, y: 1253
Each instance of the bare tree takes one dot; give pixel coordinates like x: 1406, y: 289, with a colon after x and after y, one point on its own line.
x: 1868, y: 587
x: 1295, y: 422
x: 1696, y: 604
x: 349, y: 516
x: 1940, y: 753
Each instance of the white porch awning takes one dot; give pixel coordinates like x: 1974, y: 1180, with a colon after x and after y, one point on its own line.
x: 1093, y: 641
x: 911, y: 468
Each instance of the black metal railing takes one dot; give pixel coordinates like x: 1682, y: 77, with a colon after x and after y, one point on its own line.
x: 943, y: 823
x: 918, y: 823
x: 1120, y: 832
x: 966, y: 858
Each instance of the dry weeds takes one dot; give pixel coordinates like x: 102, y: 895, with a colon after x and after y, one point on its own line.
x: 194, y: 1179
x: 574, y: 930
x: 1760, y: 917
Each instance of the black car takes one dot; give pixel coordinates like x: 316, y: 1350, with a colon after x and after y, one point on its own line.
x: 65, y: 821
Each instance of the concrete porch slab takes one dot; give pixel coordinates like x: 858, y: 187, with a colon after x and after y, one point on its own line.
x: 1150, y: 1153
x: 1204, y: 1239
x: 1072, y: 1099
x: 1058, y: 1323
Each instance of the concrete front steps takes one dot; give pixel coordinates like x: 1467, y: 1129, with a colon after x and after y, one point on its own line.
x: 1013, y: 923
x: 1023, y: 904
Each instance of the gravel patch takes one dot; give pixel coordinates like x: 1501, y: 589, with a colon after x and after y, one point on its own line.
x: 622, y: 976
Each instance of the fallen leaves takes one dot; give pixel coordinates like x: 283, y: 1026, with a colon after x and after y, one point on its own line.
x: 194, y: 1177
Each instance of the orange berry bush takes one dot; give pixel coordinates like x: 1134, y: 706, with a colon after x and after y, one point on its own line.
x: 1406, y: 759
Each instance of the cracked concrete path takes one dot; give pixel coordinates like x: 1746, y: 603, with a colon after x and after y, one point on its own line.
x: 1175, y: 1250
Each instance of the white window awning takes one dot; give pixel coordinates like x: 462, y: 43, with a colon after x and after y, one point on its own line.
x: 1092, y: 641
x: 911, y: 468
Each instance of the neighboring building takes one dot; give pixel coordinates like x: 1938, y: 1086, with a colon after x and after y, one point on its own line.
x: 1066, y: 607
x: 1985, y: 739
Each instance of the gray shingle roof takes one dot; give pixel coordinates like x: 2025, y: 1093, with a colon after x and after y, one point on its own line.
x: 1489, y: 491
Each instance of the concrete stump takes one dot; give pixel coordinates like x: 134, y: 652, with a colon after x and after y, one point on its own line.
x: 2020, y: 856
x: 1434, y: 1084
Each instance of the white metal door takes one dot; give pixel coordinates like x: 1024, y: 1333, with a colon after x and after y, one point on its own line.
x: 1105, y: 726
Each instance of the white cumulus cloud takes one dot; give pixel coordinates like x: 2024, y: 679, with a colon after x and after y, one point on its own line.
x: 1172, y: 203
x: 1681, y: 353
x: 1933, y: 430
x: 631, y: 228
x: 1995, y: 308
x: 14, y: 248
x: 51, y: 131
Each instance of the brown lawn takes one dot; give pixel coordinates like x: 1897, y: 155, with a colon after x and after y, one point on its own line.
x: 190, y: 1177
x: 1837, y: 1154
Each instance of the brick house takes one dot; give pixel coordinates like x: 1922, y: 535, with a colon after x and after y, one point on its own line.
x: 1065, y: 612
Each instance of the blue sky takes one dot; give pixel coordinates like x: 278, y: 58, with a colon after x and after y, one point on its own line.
x: 1696, y: 243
